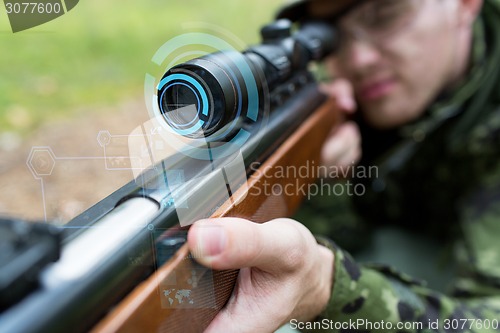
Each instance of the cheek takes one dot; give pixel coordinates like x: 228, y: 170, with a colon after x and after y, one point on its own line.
x: 421, y: 62
x: 419, y: 72
x: 417, y: 60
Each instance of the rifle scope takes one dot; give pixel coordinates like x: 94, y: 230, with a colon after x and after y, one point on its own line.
x: 205, y: 95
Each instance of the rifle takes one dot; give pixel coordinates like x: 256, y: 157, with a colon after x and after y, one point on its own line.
x: 123, y: 265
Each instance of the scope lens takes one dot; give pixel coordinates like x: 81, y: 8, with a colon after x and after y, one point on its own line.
x: 180, y: 105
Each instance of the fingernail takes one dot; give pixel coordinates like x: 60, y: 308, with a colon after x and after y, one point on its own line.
x: 211, y: 240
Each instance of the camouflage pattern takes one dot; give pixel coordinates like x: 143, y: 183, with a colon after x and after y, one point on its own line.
x: 439, y: 176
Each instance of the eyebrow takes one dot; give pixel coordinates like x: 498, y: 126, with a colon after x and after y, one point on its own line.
x: 349, y: 8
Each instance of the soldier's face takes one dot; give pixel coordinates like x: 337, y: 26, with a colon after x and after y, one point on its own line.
x: 397, y: 74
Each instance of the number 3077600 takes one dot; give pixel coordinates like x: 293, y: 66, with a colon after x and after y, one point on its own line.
x: 32, y: 8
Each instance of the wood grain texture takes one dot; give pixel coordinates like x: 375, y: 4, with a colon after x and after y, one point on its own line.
x: 182, y: 296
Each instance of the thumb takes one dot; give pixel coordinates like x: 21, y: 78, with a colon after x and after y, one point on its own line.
x: 230, y: 243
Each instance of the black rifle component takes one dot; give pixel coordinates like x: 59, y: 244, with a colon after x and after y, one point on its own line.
x: 25, y: 249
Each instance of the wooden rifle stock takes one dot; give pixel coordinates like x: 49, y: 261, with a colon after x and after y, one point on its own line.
x: 144, y: 310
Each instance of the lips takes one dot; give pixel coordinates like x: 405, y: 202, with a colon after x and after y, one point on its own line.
x: 376, y: 89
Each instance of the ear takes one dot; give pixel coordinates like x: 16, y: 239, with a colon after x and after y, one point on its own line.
x: 468, y: 11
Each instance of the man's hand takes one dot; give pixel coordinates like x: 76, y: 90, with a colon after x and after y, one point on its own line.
x: 284, y: 273
x: 342, y: 148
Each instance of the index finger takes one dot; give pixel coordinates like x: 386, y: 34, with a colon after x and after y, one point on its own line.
x: 341, y: 90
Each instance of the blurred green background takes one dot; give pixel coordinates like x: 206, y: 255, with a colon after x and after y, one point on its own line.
x: 97, y: 54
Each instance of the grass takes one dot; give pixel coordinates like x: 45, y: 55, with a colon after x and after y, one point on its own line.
x: 98, y: 53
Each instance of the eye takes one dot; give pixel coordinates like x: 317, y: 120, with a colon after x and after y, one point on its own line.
x: 387, y: 14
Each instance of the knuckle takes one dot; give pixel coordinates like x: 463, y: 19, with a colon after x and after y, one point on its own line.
x: 294, y: 259
x: 297, y: 237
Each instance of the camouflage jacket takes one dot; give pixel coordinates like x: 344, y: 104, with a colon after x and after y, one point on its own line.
x: 439, y: 176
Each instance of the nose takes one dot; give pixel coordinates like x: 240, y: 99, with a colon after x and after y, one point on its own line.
x: 360, y: 54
